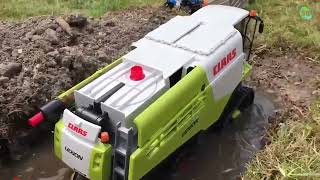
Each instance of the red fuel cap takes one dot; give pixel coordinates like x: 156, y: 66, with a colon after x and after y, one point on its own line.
x: 137, y: 73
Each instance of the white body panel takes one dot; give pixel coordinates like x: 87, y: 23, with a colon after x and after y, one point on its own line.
x: 91, y: 130
x: 119, y: 96
x: 82, y: 148
x: 223, y: 15
x: 174, y: 29
x: 207, y: 39
x: 229, y: 77
x: 159, y: 56
x: 76, y: 145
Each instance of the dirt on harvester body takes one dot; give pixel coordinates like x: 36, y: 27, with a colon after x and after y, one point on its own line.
x: 42, y: 56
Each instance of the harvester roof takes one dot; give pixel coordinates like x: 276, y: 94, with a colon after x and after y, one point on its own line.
x: 178, y: 41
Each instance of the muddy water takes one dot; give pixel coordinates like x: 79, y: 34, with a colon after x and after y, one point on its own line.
x: 215, y: 155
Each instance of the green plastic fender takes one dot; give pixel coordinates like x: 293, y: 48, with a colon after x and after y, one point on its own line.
x: 57, y: 138
x: 247, y: 69
x: 100, y: 162
x: 174, y: 118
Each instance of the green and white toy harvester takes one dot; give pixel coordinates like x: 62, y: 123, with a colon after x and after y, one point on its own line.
x: 180, y: 79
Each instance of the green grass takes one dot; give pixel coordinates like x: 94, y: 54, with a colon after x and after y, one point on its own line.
x: 19, y: 9
x: 294, y: 152
x: 284, y: 27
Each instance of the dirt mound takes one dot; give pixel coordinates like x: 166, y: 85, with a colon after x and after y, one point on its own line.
x: 42, y: 56
x: 292, y: 79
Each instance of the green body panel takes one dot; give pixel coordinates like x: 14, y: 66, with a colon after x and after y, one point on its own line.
x: 247, y: 69
x: 173, y: 119
x: 100, y: 162
x: 57, y: 138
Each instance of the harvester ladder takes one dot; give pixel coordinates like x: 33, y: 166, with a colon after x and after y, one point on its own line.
x: 123, y: 150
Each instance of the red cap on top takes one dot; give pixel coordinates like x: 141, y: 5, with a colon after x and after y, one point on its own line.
x: 137, y: 73
x: 36, y: 119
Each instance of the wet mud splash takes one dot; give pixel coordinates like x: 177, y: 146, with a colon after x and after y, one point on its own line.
x: 215, y: 155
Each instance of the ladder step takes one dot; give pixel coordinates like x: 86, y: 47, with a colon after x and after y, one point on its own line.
x: 123, y: 146
x: 121, y: 151
x: 119, y: 171
x: 123, y: 130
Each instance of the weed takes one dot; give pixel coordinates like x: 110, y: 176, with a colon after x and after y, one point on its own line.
x: 294, y: 152
x: 286, y: 26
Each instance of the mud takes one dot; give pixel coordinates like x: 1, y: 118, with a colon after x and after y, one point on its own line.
x: 292, y: 79
x: 41, y: 56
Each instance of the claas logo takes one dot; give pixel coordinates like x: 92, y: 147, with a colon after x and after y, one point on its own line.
x: 224, y: 61
x: 76, y: 129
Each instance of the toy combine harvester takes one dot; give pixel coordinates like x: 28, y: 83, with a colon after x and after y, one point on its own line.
x: 180, y: 79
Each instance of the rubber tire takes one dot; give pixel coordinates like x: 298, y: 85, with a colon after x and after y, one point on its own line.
x: 248, y: 97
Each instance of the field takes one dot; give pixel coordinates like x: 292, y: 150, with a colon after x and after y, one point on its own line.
x: 287, y: 28
x: 17, y: 9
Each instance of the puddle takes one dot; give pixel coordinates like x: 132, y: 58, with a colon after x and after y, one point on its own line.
x: 215, y: 155
x: 40, y: 164
x: 223, y: 155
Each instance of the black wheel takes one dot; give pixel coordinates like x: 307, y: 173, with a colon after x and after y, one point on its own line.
x: 246, y: 95
x: 77, y: 176
x: 241, y: 99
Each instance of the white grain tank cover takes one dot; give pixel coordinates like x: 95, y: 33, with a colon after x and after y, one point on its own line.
x: 156, y: 55
x: 220, y: 14
x: 173, y: 30
x: 120, y: 96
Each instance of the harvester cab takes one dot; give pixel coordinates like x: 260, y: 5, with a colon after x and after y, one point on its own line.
x: 180, y: 79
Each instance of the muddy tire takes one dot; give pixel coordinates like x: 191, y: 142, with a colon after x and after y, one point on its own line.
x: 241, y: 99
x: 247, y: 96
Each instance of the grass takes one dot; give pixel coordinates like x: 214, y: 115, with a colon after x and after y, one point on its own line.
x: 284, y: 27
x: 294, y: 152
x: 19, y: 9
